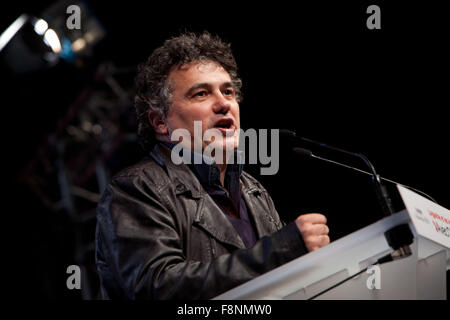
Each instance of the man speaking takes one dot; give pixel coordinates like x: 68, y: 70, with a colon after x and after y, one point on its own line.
x: 195, y: 229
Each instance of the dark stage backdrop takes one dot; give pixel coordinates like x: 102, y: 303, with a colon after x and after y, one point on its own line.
x: 313, y: 67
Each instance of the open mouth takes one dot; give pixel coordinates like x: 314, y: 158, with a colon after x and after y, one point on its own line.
x: 225, y: 123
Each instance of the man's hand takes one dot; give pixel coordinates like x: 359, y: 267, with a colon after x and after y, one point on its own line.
x: 314, y: 230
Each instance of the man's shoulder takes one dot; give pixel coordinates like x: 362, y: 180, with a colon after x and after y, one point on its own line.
x: 146, y: 169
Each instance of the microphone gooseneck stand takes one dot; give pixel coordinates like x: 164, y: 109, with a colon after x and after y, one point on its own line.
x: 399, y: 238
x: 380, y: 190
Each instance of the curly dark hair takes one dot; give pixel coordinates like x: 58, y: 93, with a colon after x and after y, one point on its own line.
x: 153, y: 92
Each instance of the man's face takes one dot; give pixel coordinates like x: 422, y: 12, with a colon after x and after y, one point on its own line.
x: 203, y: 91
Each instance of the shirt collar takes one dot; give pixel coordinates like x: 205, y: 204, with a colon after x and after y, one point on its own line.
x: 207, y: 171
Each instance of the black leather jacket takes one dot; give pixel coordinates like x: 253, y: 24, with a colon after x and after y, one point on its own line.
x: 161, y: 236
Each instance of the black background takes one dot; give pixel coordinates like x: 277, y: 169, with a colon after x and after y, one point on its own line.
x: 313, y: 67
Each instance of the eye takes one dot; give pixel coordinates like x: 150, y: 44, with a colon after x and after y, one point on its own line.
x: 229, y: 92
x: 202, y: 93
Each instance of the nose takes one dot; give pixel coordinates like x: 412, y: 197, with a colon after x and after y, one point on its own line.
x: 221, y: 104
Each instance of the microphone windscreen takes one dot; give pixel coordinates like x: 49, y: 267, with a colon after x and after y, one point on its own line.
x: 303, y: 152
x: 287, y: 133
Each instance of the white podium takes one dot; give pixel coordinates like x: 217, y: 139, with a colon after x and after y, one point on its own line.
x: 422, y: 275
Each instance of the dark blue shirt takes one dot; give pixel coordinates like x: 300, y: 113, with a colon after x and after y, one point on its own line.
x: 228, y: 199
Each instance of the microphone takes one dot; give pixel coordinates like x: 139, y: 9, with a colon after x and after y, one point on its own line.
x: 380, y: 190
x: 310, y: 154
x: 307, y: 153
x: 399, y: 238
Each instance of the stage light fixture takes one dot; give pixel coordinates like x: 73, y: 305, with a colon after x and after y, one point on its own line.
x: 34, y: 43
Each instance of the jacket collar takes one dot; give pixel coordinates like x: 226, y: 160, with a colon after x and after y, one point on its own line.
x: 208, y: 215
x: 208, y: 172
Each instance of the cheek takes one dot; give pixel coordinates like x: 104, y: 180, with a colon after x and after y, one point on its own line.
x: 236, y: 115
x: 179, y: 118
x: 173, y: 122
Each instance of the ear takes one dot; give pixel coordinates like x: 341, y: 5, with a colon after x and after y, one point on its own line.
x: 157, y: 122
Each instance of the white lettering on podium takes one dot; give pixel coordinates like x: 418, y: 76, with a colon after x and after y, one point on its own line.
x: 374, y: 280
